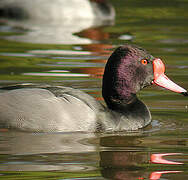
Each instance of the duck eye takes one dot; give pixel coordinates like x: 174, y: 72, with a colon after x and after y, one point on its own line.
x: 144, y: 61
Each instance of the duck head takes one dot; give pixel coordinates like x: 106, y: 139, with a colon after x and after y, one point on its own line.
x: 129, y: 69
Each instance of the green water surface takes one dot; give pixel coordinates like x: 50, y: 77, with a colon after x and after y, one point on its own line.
x: 160, y: 27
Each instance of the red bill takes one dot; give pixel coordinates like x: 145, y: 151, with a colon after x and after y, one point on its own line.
x: 162, y: 80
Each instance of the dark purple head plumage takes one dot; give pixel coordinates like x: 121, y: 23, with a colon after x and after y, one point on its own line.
x: 125, y: 75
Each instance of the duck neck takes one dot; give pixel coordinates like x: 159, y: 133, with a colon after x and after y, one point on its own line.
x: 120, y: 98
x: 118, y: 92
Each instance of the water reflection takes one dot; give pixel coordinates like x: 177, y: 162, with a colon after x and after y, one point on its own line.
x: 123, y: 157
x: 57, y: 74
x: 130, y: 159
x: 123, y: 165
x: 52, y: 33
x: 94, y: 56
x: 56, y: 22
x: 119, y: 156
x: 159, y: 158
x: 21, y: 143
x: 157, y: 175
x: 92, y: 62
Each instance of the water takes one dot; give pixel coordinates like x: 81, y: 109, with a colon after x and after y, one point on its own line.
x: 159, y: 151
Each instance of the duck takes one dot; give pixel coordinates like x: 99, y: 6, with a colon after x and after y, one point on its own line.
x: 47, y: 10
x: 45, y: 108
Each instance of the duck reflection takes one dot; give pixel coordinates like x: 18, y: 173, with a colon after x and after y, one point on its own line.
x: 124, y: 159
x: 127, y: 159
x: 118, y: 157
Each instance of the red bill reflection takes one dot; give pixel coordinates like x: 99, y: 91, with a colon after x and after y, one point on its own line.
x: 157, y: 174
x: 158, y: 158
